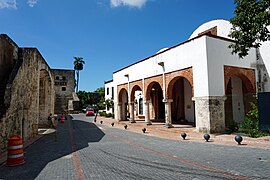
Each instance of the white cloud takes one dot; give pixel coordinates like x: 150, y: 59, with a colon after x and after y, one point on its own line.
x: 32, y: 3
x: 11, y: 4
x: 131, y: 3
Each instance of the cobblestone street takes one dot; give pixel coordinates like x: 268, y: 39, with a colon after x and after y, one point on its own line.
x: 87, y: 150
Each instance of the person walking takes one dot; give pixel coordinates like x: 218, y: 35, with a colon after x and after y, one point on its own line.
x: 50, y: 124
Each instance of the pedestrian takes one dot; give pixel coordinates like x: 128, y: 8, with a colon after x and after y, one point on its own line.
x: 54, y: 121
x: 95, y: 119
x: 50, y: 120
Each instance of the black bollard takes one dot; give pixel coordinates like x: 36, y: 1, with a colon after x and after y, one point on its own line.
x: 101, y: 122
x: 206, y: 137
x: 143, y: 130
x: 112, y: 124
x: 184, y: 135
x: 238, y: 139
x: 125, y: 126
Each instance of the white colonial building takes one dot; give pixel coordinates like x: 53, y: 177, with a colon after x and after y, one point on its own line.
x: 198, y: 82
x: 109, y: 94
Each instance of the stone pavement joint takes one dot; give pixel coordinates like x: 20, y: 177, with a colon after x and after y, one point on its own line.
x: 158, y: 130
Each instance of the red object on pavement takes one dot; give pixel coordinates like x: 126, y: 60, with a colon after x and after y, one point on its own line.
x: 62, y: 119
x: 90, y: 112
x: 15, y: 151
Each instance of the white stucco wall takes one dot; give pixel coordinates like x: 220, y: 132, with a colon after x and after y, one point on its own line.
x: 265, y: 55
x: 206, y: 55
x: 110, y: 95
x: 218, y: 55
x: 190, y: 54
x: 108, y: 85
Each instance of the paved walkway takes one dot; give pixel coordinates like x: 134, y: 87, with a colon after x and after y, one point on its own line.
x: 158, y: 130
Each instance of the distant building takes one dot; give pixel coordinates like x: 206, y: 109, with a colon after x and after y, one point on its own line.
x: 198, y: 82
x: 109, y: 95
x: 64, y: 85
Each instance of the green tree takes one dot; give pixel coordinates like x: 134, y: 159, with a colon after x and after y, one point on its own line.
x: 78, y: 66
x: 84, y: 99
x: 92, y: 99
x: 109, y: 103
x: 250, y: 125
x: 101, y: 92
x: 249, y: 25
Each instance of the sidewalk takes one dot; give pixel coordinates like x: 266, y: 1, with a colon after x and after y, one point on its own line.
x: 3, y: 156
x: 158, y: 130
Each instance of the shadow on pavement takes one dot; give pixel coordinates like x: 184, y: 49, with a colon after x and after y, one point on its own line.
x: 72, y: 135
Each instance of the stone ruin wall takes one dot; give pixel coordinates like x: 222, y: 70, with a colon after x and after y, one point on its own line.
x: 8, y: 56
x: 23, y: 106
x: 28, y: 90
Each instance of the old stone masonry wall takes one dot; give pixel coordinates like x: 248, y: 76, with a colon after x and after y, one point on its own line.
x: 27, y: 92
x: 22, y: 99
x: 210, y: 114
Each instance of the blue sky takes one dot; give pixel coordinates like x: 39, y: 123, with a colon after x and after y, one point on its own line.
x: 108, y: 34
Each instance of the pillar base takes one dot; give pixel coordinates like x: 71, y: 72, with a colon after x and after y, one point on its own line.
x: 210, y: 114
x: 148, y: 123
x: 168, y: 125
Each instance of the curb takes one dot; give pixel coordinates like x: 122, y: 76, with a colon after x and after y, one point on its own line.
x: 174, y: 134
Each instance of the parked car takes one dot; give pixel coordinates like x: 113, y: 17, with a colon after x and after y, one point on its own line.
x: 90, y: 112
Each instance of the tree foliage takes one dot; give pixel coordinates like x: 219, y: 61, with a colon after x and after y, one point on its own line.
x: 101, y: 91
x: 78, y: 63
x: 92, y: 99
x: 109, y: 103
x: 78, y: 66
x: 101, y: 103
x: 250, y: 125
x: 250, y: 25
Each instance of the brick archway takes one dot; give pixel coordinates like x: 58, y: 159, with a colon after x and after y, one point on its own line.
x: 123, y: 103
x: 246, y: 75
x: 120, y: 93
x: 149, y: 88
x: 240, y: 87
x: 180, y: 91
x: 174, y: 76
x: 154, y: 95
x: 135, y: 86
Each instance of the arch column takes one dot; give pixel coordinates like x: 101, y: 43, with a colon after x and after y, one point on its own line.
x: 168, y: 112
x: 146, y: 112
x: 131, y: 108
x: 119, y: 111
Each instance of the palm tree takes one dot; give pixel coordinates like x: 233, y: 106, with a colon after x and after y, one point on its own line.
x: 78, y: 66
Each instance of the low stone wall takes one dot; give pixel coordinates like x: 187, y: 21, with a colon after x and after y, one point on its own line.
x: 210, y: 114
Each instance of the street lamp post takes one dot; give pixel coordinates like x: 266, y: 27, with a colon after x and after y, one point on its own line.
x: 168, y: 120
